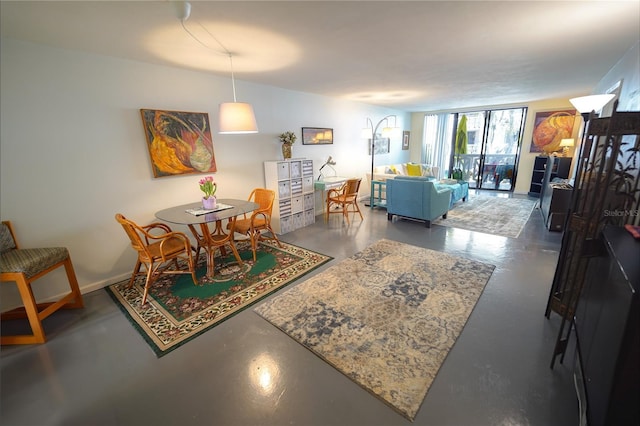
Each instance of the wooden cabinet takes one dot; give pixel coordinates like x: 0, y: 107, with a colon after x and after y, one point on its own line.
x: 295, y: 203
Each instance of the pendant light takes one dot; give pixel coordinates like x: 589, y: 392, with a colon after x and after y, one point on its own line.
x: 236, y: 117
x: 233, y: 117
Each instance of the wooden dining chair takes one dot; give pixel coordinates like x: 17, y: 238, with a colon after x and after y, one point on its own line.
x: 344, y: 200
x: 159, y: 250
x: 254, y: 226
x: 24, y: 266
x: 216, y: 239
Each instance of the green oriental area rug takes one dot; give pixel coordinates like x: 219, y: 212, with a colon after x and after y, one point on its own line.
x: 385, y: 317
x: 491, y: 215
x: 177, y: 311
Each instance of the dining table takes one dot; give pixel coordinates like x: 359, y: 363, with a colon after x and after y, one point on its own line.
x: 195, y: 216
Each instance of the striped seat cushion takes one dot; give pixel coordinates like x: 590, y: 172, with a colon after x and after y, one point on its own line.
x: 31, y: 261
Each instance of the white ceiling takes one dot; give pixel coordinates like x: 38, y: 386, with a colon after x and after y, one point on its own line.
x: 410, y: 55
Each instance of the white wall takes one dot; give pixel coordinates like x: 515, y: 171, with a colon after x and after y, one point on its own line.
x: 73, y: 151
x: 627, y: 72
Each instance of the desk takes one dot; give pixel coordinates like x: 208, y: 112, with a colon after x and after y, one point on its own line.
x: 206, y: 239
x: 325, y: 185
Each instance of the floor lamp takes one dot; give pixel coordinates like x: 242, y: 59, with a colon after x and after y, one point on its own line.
x: 587, y: 105
x: 369, y: 132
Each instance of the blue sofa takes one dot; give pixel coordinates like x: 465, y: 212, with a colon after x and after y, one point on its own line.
x: 417, y: 197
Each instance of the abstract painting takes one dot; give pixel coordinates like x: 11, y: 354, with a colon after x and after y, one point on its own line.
x: 179, y: 142
x: 550, y: 128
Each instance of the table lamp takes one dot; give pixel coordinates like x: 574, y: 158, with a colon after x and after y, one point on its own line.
x: 330, y: 162
x: 565, y: 144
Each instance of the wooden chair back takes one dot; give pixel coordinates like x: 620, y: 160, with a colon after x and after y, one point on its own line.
x: 351, y: 187
x: 260, y: 219
x: 156, y: 245
x: 265, y: 198
x: 345, y: 199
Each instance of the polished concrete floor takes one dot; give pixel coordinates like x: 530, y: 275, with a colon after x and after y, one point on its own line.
x: 97, y: 370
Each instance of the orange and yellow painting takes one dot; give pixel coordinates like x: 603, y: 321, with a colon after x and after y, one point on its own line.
x: 179, y: 142
x: 550, y: 128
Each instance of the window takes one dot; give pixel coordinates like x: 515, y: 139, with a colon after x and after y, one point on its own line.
x: 488, y: 160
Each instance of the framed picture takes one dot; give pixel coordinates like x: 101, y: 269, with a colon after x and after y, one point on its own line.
x: 405, y: 139
x: 382, y: 145
x: 550, y: 128
x: 317, y: 136
x: 179, y: 142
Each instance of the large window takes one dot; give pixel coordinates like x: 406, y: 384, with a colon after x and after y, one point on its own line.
x: 486, y: 155
x: 437, y: 149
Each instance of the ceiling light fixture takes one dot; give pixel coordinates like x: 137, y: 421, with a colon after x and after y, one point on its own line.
x: 236, y: 117
x: 233, y: 117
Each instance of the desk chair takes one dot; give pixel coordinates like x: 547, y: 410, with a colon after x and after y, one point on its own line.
x: 345, y: 198
x: 159, y: 249
x: 24, y: 266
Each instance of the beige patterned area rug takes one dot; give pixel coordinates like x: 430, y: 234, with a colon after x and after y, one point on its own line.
x: 491, y: 215
x: 385, y: 317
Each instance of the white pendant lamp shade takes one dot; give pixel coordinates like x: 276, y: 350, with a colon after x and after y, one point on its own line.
x: 586, y: 104
x: 236, y: 117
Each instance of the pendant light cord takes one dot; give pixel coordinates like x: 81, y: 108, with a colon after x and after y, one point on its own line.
x: 226, y: 51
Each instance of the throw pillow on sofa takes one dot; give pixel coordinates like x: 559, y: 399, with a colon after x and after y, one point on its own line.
x: 427, y: 170
x: 414, y: 169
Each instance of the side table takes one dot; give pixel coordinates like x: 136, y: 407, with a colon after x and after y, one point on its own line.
x: 377, y: 186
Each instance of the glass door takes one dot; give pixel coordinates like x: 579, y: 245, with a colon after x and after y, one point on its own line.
x: 488, y: 159
x: 467, y: 159
x: 501, y: 149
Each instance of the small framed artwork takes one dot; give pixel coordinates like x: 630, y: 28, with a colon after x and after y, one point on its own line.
x: 317, y: 136
x: 405, y: 139
x: 382, y: 145
x: 179, y: 142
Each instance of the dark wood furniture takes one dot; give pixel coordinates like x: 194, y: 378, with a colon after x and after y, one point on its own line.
x: 537, y: 176
x: 605, y: 193
x: 543, y: 174
x: 554, y: 205
x: 607, y: 326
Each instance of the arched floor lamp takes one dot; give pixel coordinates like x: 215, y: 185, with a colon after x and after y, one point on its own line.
x: 369, y: 132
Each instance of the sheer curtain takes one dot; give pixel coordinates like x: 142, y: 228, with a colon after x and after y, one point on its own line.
x: 438, y: 131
